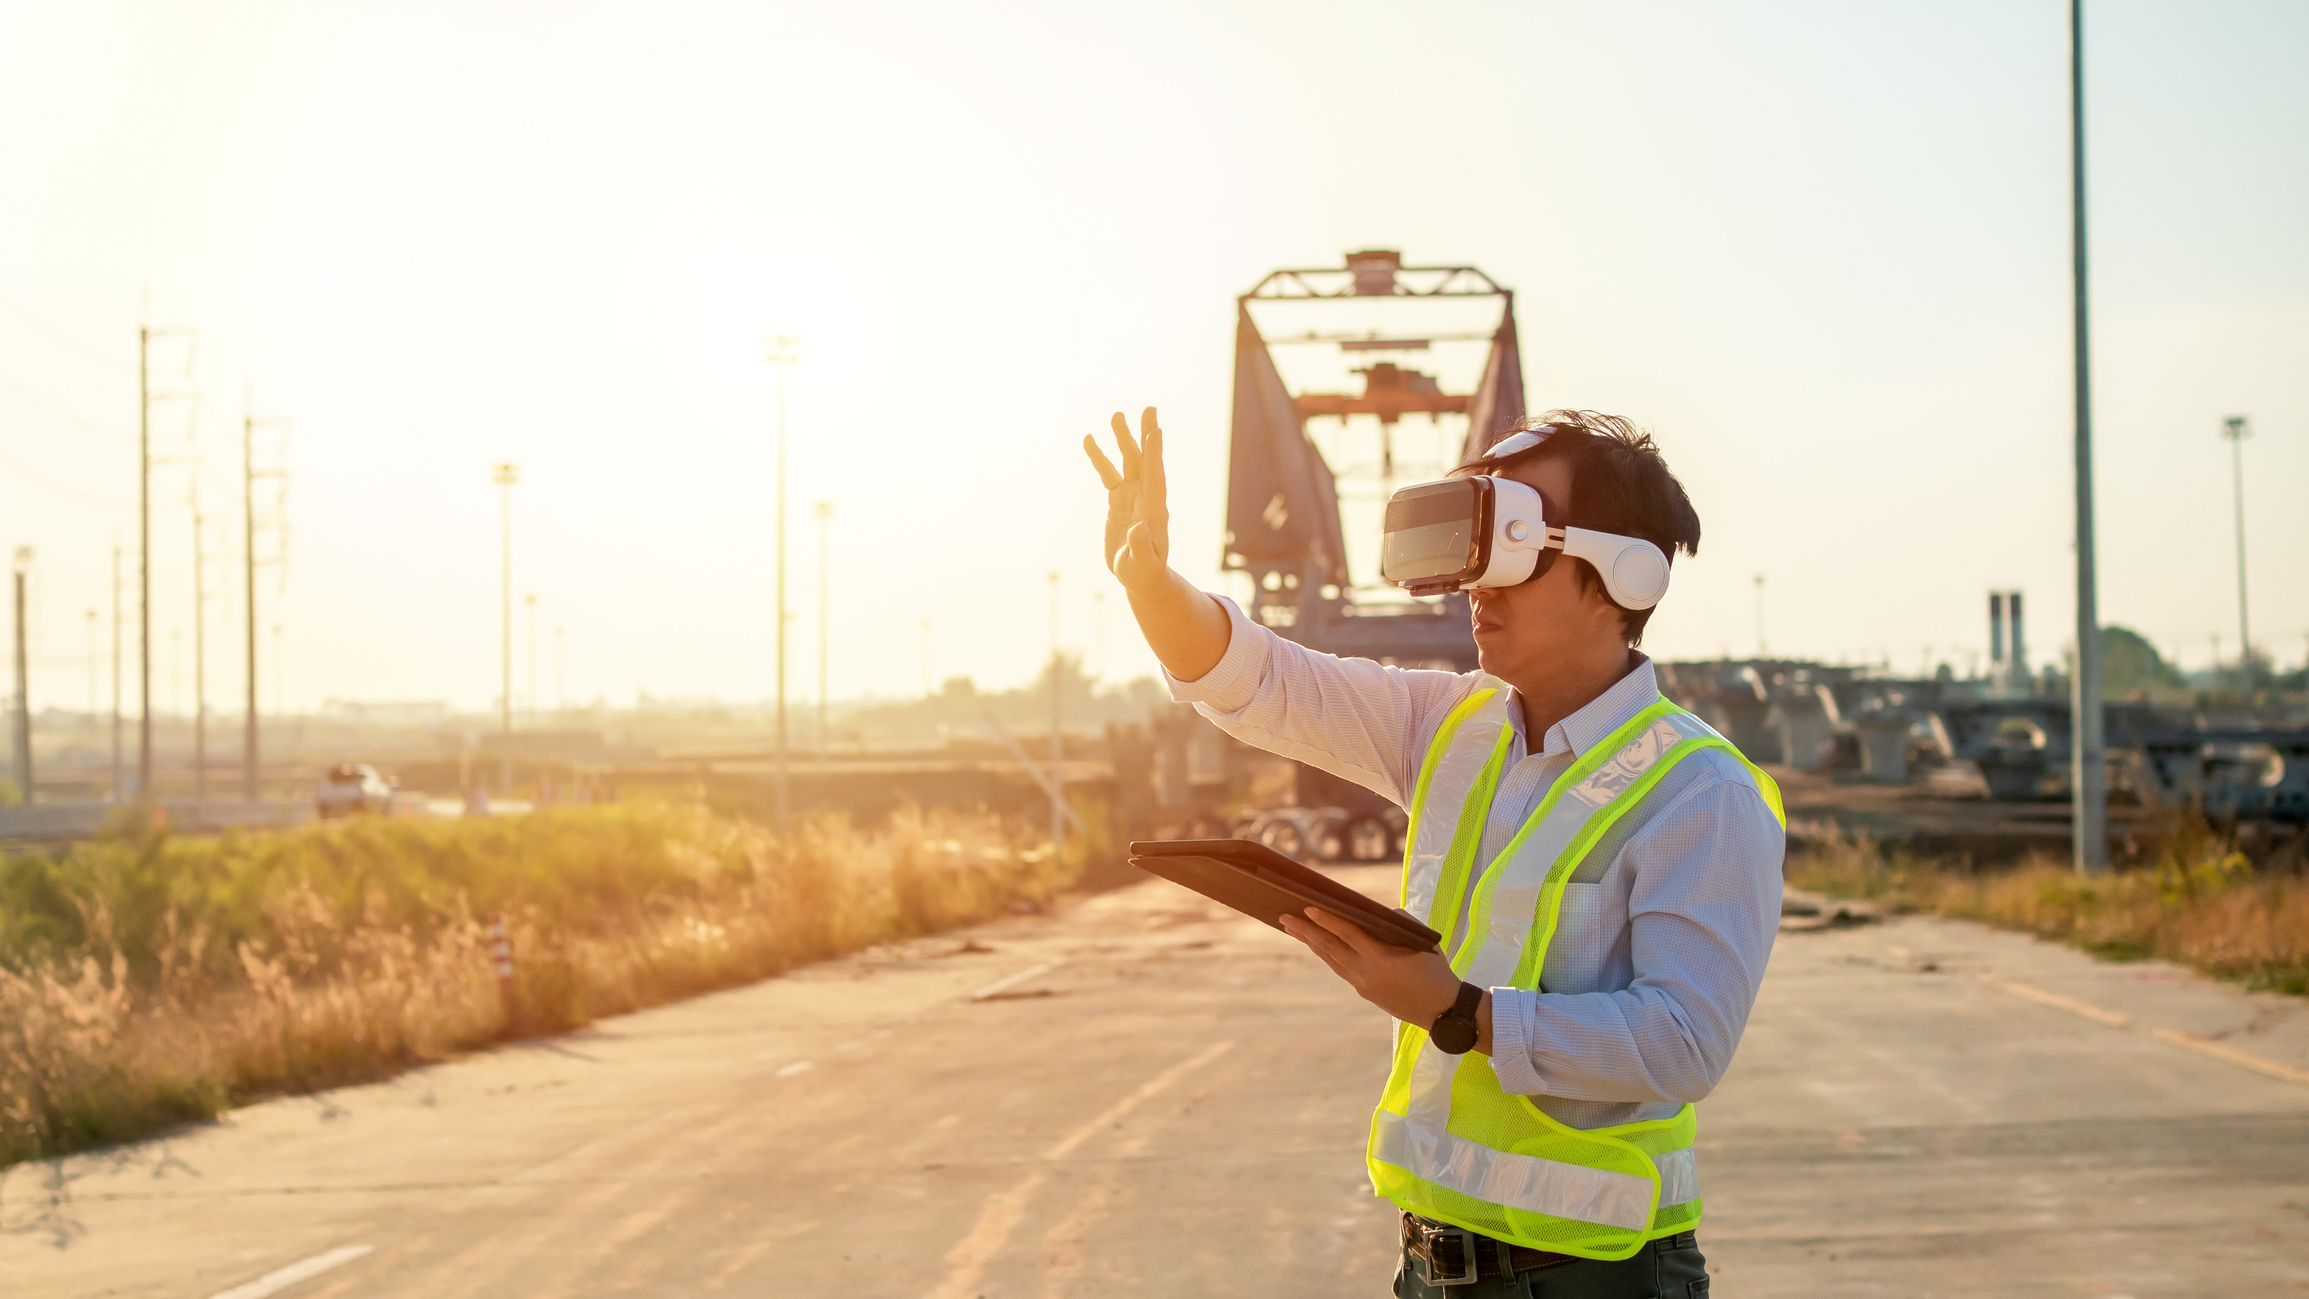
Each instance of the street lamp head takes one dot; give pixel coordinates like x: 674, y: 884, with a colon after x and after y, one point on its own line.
x: 2235, y: 428
x: 783, y: 349
x: 822, y: 511
x: 23, y: 558
x: 505, y: 473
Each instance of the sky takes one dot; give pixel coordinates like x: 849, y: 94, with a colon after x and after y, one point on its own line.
x: 1821, y: 249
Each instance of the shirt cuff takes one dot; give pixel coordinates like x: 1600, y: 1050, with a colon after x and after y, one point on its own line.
x: 1511, y: 1011
x: 1229, y: 686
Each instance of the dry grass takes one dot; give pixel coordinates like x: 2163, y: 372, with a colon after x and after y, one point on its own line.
x: 2192, y: 897
x: 149, y: 981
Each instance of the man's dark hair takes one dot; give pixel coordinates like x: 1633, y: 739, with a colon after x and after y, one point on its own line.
x: 1619, y: 483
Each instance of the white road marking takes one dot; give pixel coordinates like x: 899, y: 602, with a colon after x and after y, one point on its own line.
x: 2206, y: 1047
x: 967, y: 1261
x: 1005, y: 985
x: 274, y: 1282
x: 798, y: 1066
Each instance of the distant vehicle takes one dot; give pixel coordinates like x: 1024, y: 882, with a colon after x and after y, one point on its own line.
x: 350, y: 788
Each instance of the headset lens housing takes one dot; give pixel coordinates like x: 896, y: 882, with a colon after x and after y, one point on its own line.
x: 1434, y: 533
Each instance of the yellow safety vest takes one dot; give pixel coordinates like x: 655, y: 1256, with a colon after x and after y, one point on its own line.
x: 1446, y: 1142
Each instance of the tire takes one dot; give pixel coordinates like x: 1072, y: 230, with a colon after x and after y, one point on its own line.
x: 1367, y: 839
x: 1286, y: 838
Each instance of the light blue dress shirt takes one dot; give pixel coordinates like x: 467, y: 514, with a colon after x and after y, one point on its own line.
x: 1666, y: 925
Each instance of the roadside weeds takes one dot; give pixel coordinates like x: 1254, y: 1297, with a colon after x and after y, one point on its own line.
x: 150, y: 980
x: 2192, y: 898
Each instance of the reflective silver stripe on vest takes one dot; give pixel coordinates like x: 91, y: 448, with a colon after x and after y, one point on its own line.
x: 1518, y: 1181
x: 1448, y: 789
x: 1679, y: 1176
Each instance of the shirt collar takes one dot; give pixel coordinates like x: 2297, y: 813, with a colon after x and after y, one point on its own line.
x: 1596, y: 719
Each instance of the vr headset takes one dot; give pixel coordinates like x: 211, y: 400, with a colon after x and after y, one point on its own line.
x: 1460, y: 534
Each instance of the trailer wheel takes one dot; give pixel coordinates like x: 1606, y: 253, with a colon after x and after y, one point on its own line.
x: 1284, y: 837
x: 1367, y: 839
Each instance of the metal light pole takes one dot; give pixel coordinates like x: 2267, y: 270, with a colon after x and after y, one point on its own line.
x: 2236, y: 430
x: 144, y: 462
x: 116, y: 712
x: 250, y: 753
x: 199, y: 664
x: 529, y: 695
x: 823, y: 512
x: 1057, y: 735
x: 1759, y: 615
x: 782, y: 355
x: 144, y: 561
x: 2089, y: 781
x: 505, y: 474
x: 1098, y: 631
x: 23, y: 681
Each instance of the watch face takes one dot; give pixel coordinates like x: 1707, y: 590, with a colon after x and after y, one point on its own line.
x: 1454, y: 1034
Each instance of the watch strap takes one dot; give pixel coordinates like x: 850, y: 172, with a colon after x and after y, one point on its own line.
x: 1456, y: 1030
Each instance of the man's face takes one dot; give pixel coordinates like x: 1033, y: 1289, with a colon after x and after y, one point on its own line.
x: 1520, y: 630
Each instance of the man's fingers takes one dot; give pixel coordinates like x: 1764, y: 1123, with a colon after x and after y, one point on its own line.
x: 1125, y: 444
x: 1346, y: 930
x: 1154, y: 489
x: 1319, y: 936
x: 1107, y: 473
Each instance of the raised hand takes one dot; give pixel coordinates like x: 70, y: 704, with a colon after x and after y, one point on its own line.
x: 1138, y: 518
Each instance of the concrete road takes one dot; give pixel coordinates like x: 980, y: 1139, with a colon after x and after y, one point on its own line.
x: 1143, y: 1095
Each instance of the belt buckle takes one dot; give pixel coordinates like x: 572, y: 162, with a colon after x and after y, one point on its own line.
x: 1465, y: 1274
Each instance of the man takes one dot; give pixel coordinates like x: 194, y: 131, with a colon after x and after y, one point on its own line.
x: 1605, y: 868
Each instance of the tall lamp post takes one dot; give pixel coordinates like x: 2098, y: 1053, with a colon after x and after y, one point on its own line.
x: 2236, y: 430
x: 529, y: 693
x: 23, y: 717
x: 505, y: 474
x: 250, y: 759
x: 2089, y: 810
x: 1760, y: 615
x: 1057, y: 735
x: 782, y: 355
x: 823, y: 512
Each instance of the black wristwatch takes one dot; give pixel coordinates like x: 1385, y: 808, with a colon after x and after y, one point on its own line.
x: 1455, y: 1030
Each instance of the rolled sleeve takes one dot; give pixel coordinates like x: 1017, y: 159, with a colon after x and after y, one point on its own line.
x: 1511, y: 1042
x: 1230, y: 685
x: 1352, y: 717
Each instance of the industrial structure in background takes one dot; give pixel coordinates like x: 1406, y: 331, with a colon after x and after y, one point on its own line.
x: 1283, y: 518
x: 1854, y: 724
x: 1284, y: 526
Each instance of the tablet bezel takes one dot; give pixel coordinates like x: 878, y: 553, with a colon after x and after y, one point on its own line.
x: 1263, y: 868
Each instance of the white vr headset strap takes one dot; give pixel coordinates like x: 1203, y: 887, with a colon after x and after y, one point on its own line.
x: 1634, y: 571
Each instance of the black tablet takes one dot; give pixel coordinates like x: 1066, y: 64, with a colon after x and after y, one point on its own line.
x: 1264, y: 884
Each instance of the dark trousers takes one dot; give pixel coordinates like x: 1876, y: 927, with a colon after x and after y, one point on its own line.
x: 1667, y: 1268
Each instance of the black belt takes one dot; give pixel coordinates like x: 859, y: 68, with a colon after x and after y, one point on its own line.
x: 1457, y: 1256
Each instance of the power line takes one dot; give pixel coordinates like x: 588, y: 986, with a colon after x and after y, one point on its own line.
x: 56, y: 335
x: 51, y: 484
x: 55, y: 411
